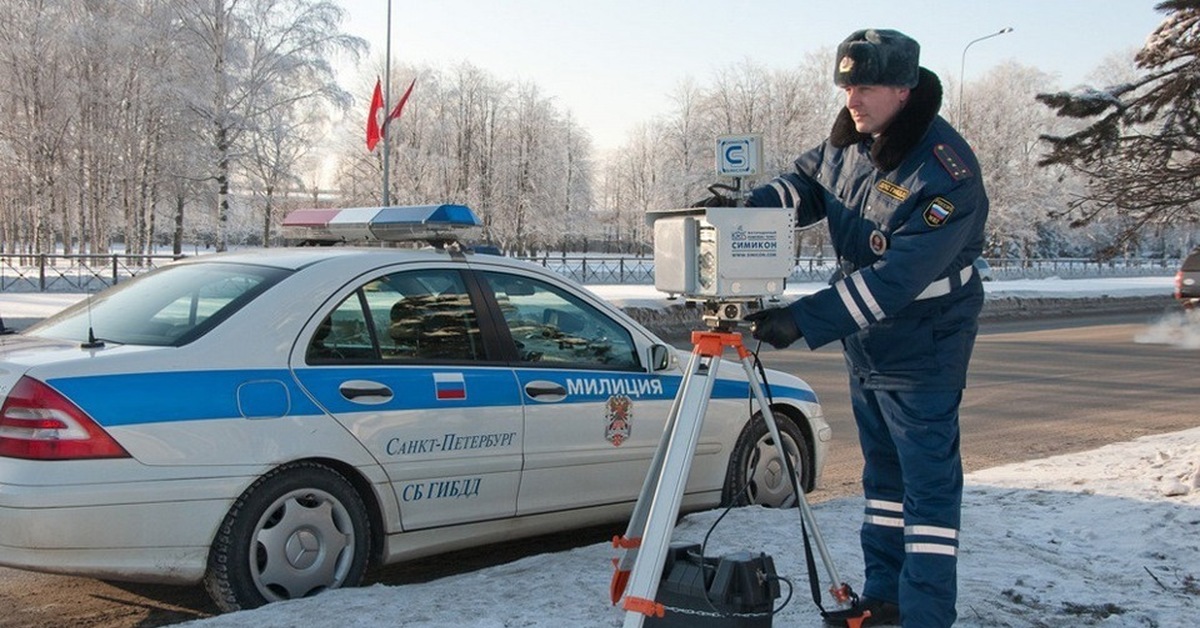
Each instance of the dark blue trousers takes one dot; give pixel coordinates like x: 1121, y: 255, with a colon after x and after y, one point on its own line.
x: 912, y: 480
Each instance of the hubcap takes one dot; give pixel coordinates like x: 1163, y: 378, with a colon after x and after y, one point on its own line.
x: 770, y: 485
x: 303, y: 544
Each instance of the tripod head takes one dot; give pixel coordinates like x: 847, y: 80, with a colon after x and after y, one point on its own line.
x: 723, y: 315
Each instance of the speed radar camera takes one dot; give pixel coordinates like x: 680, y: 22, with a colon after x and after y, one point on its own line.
x: 723, y: 256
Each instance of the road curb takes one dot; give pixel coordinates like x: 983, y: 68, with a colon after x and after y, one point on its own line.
x: 676, y: 320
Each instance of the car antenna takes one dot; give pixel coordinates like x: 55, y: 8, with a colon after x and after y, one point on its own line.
x: 92, y: 341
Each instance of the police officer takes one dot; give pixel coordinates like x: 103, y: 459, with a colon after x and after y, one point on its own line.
x: 906, y: 208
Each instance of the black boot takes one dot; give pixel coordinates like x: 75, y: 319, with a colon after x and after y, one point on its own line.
x: 882, y: 614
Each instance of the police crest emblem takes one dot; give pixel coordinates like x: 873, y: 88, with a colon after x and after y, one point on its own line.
x: 619, y: 412
x: 878, y: 242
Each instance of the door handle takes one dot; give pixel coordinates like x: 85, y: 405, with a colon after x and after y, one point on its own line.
x: 361, y: 391
x: 546, y: 392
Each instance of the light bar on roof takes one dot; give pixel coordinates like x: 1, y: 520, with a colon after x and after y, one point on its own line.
x: 437, y: 223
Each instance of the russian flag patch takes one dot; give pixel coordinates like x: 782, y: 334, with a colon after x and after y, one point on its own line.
x: 450, y: 386
x: 938, y: 211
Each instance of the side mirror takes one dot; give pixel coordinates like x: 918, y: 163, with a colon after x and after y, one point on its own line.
x: 661, y: 357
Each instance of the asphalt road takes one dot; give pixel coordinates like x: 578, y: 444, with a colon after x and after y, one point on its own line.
x: 1037, y: 388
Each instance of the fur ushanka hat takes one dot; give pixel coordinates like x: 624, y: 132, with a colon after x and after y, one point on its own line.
x: 877, y: 56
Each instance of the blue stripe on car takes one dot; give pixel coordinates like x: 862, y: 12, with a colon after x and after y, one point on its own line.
x: 134, y: 398
x: 137, y: 398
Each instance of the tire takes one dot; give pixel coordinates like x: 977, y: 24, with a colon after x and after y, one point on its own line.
x: 298, y: 530
x: 757, y: 475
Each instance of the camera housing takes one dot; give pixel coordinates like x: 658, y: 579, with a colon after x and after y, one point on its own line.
x: 734, y: 254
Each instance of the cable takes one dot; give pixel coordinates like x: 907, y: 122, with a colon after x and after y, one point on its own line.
x: 787, y: 600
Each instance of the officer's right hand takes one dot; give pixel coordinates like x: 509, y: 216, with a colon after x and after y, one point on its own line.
x: 775, y: 326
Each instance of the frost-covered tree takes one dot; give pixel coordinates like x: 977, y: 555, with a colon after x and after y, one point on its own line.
x: 1002, y: 123
x: 250, y: 58
x: 1140, y: 150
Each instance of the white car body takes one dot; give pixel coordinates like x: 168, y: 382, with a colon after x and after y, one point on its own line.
x: 443, y: 455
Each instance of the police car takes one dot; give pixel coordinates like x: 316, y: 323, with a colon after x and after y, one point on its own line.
x: 271, y: 423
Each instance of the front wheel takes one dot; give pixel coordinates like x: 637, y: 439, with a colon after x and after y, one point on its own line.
x: 757, y: 474
x: 299, y: 530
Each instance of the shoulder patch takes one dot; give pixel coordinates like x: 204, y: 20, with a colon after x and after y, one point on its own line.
x: 951, y: 162
x: 938, y: 211
x: 893, y: 190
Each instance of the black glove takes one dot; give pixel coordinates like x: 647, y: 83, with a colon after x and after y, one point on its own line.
x: 775, y: 326
x: 718, y: 199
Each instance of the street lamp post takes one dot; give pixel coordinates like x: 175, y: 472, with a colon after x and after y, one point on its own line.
x: 962, y: 68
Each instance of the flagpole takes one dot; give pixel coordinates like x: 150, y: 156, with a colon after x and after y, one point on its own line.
x: 387, y: 99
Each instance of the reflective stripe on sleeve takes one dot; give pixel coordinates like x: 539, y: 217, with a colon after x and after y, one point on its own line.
x: 860, y: 283
x: 851, y: 306
x: 795, y: 204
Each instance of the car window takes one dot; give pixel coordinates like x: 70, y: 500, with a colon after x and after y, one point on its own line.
x: 424, y: 315
x: 1192, y: 262
x: 170, y: 306
x: 553, y: 327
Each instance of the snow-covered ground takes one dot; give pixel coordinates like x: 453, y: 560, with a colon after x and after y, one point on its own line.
x: 1100, y: 538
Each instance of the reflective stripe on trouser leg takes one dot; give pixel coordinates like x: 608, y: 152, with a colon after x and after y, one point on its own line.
x: 882, y: 534
x: 924, y: 428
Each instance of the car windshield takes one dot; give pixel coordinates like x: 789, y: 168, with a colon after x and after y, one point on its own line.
x: 170, y: 306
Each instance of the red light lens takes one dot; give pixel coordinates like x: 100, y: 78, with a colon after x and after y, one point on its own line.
x: 38, y: 423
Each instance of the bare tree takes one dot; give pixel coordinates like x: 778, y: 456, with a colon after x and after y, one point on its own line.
x: 34, y: 76
x: 279, y: 143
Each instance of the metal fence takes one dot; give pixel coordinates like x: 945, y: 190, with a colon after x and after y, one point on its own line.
x: 640, y: 270
x: 73, y: 273
x: 89, y: 273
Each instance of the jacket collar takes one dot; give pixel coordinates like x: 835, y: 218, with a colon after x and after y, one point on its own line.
x: 902, y: 135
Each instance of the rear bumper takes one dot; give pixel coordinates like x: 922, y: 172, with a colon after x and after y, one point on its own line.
x: 140, y: 531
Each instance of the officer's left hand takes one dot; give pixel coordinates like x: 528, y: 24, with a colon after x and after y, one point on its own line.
x: 719, y: 198
x: 716, y: 200
x: 775, y: 326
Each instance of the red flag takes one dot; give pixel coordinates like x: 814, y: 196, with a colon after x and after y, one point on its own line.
x: 373, y: 134
x: 395, y: 114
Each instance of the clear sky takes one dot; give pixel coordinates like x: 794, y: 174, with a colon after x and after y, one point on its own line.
x: 612, y: 63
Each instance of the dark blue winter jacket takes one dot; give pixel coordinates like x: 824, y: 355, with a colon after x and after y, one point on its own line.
x: 906, y: 213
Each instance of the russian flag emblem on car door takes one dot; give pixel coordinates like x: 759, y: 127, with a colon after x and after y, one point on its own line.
x: 450, y: 386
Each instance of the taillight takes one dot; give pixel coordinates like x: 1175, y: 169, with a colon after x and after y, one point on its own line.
x: 1179, y: 285
x: 38, y: 423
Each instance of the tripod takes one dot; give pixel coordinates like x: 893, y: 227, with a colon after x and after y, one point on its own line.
x: 645, y: 543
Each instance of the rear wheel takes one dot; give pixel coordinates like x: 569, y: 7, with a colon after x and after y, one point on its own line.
x: 757, y: 474
x: 297, y: 531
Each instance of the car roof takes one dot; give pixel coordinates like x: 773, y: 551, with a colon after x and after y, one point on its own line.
x: 295, y: 258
